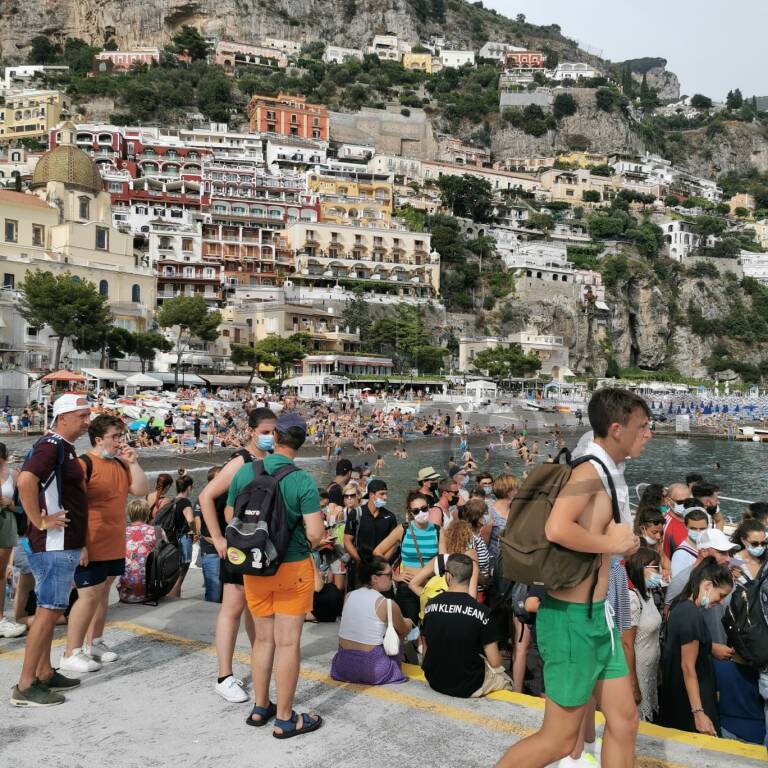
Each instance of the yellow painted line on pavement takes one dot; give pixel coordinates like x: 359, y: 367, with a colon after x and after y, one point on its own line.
x: 697, y: 741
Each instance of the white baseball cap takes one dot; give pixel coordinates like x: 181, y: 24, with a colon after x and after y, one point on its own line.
x: 70, y: 404
x: 714, y: 538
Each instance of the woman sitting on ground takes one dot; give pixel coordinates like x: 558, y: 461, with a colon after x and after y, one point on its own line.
x: 140, y: 540
x: 361, y: 657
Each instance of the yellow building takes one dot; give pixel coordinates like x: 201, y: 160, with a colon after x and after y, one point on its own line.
x: 353, y: 197
x: 422, y: 62
x: 31, y: 114
x: 761, y: 233
x: 742, y: 200
x: 388, y: 259
x: 65, y: 226
x: 569, y: 186
x: 583, y: 159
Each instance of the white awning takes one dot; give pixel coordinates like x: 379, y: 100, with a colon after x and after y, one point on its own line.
x: 304, y: 381
x: 185, y: 379
x: 232, y: 380
x: 103, y: 374
x: 142, y: 380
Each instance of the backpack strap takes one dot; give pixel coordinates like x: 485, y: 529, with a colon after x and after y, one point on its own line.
x: 88, y: 461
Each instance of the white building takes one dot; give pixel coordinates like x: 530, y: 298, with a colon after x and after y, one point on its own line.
x: 286, y: 152
x: 16, y: 161
x: 387, y: 47
x: 680, y: 239
x: 336, y: 54
x: 494, y: 50
x: 456, y: 59
x: 570, y: 70
x: 22, y: 74
x: 755, y: 265
x: 291, y: 47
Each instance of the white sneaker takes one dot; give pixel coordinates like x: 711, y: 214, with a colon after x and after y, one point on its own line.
x: 100, y: 651
x: 79, y: 661
x: 585, y: 761
x: 233, y: 690
x: 9, y: 628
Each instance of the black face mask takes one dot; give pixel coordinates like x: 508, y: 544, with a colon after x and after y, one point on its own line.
x: 433, y: 487
x: 453, y: 500
x: 712, y: 510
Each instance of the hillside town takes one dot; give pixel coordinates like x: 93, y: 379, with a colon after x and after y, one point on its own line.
x: 281, y: 225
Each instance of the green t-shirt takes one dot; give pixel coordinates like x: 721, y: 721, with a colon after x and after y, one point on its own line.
x: 300, y: 497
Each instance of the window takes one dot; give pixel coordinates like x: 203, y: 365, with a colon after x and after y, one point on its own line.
x: 186, y: 244
x: 115, y: 186
x: 102, y: 238
x: 11, y: 231
x: 32, y: 332
x: 85, y: 207
x: 136, y: 293
x: 9, y: 280
x: 103, y: 288
x: 37, y: 234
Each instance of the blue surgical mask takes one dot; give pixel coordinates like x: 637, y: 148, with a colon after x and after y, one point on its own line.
x: 266, y: 442
x: 679, y: 509
x: 758, y: 551
x: 487, y: 490
x: 379, y: 503
x: 653, y: 581
x: 694, y: 536
x: 105, y: 454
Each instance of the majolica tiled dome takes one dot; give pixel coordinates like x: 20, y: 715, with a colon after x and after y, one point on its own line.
x: 70, y: 165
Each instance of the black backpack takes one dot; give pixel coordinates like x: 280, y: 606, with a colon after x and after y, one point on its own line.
x: 258, y: 534
x: 746, y: 622
x: 162, y: 568
x: 172, y: 522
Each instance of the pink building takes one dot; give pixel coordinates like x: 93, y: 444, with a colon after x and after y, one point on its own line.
x: 122, y: 61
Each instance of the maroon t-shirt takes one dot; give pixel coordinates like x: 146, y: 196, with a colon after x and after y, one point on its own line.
x: 42, y: 463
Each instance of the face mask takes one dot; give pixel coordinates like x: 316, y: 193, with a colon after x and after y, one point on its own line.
x: 653, y: 581
x: 756, y: 551
x: 694, y: 535
x: 422, y: 517
x: 713, y: 510
x: 650, y: 540
x: 379, y: 503
x: 105, y: 454
x: 464, y: 482
x: 487, y: 490
x: 679, y: 510
x: 664, y: 508
x: 433, y: 486
x: 704, y: 602
x: 453, y: 500
x: 266, y: 442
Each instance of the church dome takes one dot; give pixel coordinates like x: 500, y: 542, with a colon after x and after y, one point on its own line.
x: 70, y: 165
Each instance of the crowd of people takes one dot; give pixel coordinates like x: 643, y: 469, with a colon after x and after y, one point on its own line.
x: 650, y: 634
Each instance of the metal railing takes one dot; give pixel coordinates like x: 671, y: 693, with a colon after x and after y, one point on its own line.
x: 728, y: 518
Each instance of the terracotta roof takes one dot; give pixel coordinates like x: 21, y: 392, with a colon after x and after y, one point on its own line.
x: 22, y: 198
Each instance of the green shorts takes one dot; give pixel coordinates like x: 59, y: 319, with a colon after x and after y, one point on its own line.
x: 576, y: 650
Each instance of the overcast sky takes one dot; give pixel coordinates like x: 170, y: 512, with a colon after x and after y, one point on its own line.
x: 713, y: 46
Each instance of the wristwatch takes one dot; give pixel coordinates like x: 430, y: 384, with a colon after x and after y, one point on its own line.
x: 41, y: 525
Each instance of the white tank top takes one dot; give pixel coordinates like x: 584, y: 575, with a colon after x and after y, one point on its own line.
x: 359, y: 622
x: 7, y: 487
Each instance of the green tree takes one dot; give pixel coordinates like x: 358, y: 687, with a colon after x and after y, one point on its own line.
x: 189, y: 41
x: 467, y: 196
x: 214, y: 95
x: 42, y: 51
x: 78, y: 55
x: 357, y: 314
x: 146, y: 344
x: 283, y: 353
x: 243, y: 354
x: 613, y: 371
x: 741, y: 212
x: 70, y: 307
x: 563, y: 106
x: 606, y: 99
x: 671, y: 201
x: 627, y: 82
x: 590, y: 196
x: 506, y: 362
x: 542, y: 221
x: 699, y: 101
x: 190, y: 317
x: 648, y: 98
x: 734, y: 100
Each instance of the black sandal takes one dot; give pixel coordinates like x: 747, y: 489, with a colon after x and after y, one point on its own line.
x: 265, y: 713
x: 289, y: 726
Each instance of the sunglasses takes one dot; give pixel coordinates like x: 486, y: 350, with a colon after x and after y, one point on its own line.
x: 350, y: 495
x: 419, y: 509
x: 385, y: 573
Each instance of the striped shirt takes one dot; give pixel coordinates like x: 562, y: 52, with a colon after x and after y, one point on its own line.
x: 483, y: 558
x: 427, y: 541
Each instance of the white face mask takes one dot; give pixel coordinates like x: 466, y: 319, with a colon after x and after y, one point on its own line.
x: 678, y: 509
x: 421, y: 517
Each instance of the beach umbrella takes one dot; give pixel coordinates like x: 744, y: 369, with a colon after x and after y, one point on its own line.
x: 138, y: 424
x: 63, y: 375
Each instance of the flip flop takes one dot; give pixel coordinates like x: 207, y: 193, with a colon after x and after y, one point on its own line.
x: 289, y: 726
x: 265, y: 713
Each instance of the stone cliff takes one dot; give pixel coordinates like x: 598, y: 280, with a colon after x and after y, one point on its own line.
x: 738, y: 146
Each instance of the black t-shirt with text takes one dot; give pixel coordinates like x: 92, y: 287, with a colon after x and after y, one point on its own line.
x: 456, y: 628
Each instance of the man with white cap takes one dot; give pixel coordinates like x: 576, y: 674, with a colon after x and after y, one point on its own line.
x: 52, y: 492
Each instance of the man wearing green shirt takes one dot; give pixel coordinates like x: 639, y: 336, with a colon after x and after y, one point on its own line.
x: 279, y: 603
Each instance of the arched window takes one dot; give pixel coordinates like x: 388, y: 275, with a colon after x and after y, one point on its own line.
x: 103, y: 287
x: 136, y: 293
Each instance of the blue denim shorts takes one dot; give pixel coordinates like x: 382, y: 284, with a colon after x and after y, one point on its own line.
x: 185, y: 548
x: 53, y: 572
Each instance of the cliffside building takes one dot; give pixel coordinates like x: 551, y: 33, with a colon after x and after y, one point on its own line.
x: 289, y: 116
x: 31, y: 114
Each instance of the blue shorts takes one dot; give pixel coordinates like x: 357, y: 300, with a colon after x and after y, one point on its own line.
x: 97, y: 571
x: 185, y: 549
x: 53, y: 572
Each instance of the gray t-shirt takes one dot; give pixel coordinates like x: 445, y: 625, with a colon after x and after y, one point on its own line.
x: 677, y: 585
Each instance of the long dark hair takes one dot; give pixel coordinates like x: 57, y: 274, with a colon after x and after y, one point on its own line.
x: 163, y: 483
x: 635, y: 568
x: 652, y: 496
x: 707, y: 570
x: 745, y: 528
x: 370, y: 565
x: 410, y: 498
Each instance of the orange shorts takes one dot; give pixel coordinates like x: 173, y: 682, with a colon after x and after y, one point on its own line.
x: 289, y: 592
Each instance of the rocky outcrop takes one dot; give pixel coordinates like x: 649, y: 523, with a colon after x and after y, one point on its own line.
x: 665, y: 83
x: 736, y: 147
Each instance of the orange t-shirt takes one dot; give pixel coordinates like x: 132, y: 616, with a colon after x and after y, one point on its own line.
x: 107, y: 497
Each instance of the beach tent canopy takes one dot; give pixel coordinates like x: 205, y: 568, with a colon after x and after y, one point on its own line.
x: 232, y: 380
x: 142, y: 380
x: 64, y: 375
x: 185, y: 379
x: 103, y: 374
x: 481, y: 390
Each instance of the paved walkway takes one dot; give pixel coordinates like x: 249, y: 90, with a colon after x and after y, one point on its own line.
x: 156, y: 707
